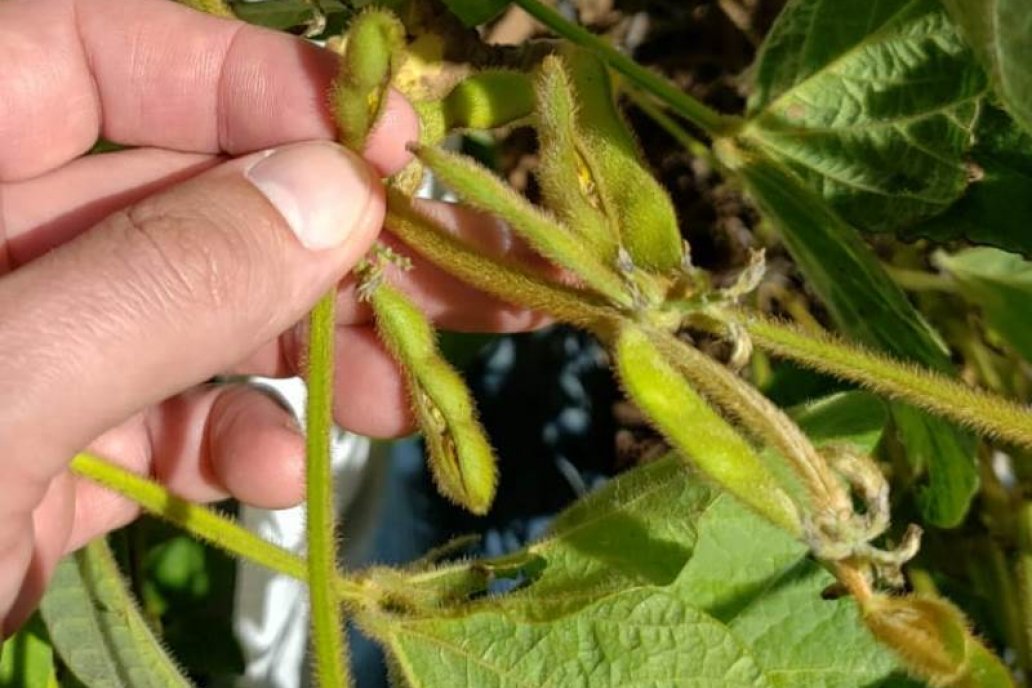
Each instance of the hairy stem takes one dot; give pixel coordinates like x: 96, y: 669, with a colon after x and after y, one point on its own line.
x: 707, y: 119
x: 1023, y: 585
x: 202, y: 523
x: 505, y: 280
x: 919, y: 280
x: 984, y: 412
x: 667, y: 123
x: 331, y: 658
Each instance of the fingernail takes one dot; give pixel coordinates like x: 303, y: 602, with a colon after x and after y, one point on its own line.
x: 321, y: 189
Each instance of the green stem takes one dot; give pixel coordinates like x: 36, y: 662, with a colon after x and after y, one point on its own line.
x: 667, y: 123
x: 507, y: 280
x: 201, y: 522
x: 707, y: 119
x: 919, y: 280
x: 1023, y: 576
x: 331, y: 658
x: 975, y: 408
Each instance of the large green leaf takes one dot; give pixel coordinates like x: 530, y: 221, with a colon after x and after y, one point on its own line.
x: 872, y: 103
x: 997, y: 207
x: 96, y: 628
x: 632, y: 532
x: 645, y: 637
x: 746, y: 611
x: 768, y: 595
x: 1000, y: 31
x: 999, y: 283
x: 869, y: 307
x: 657, y: 579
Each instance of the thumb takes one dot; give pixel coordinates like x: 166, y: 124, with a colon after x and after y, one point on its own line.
x: 163, y: 295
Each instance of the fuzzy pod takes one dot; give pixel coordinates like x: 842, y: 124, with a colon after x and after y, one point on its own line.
x: 695, y: 430
x: 483, y: 190
x: 489, y: 99
x: 371, y: 55
x: 461, y: 459
x: 934, y: 641
x: 567, y: 180
x: 631, y: 197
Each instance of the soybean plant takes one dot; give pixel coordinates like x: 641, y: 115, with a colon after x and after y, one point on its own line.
x: 612, y: 229
x: 625, y: 275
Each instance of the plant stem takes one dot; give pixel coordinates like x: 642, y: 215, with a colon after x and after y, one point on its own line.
x: 707, y: 119
x: 506, y: 280
x: 331, y: 658
x: 201, y: 522
x: 691, y: 144
x: 919, y: 280
x: 974, y: 408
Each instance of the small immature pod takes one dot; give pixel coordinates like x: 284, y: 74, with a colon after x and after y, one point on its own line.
x: 489, y: 99
x: 934, y: 641
x: 370, y: 58
x: 480, y: 188
x: 563, y: 164
x: 698, y: 433
x: 630, y: 195
x: 461, y: 459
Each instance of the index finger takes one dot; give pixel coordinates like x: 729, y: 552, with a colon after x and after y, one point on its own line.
x: 155, y: 73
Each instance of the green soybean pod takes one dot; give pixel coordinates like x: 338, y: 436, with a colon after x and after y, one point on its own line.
x: 483, y: 190
x: 370, y: 57
x: 631, y: 196
x: 934, y: 640
x: 489, y: 99
x: 695, y: 430
x: 567, y: 181
x: 461, y: 459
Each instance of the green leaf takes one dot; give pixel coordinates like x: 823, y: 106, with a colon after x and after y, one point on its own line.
x: 633, y: 531
x: 872, y: 103
x: 97, y: 629
x: 999, y: 283
x: 857, y: 418
x: 997, y: 207
x: 473, y: 12
x: 759, y: 583
x: 636, y: 530
x: 638, y: 637
x: 657, y: 579
x: 867, y: 305
x: 999, y: 31
x: 27, y: 659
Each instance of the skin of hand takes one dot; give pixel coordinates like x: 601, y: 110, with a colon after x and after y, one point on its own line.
x: 129, y: 279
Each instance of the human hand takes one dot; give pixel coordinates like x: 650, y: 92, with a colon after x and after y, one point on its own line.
x: 128, y: 279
